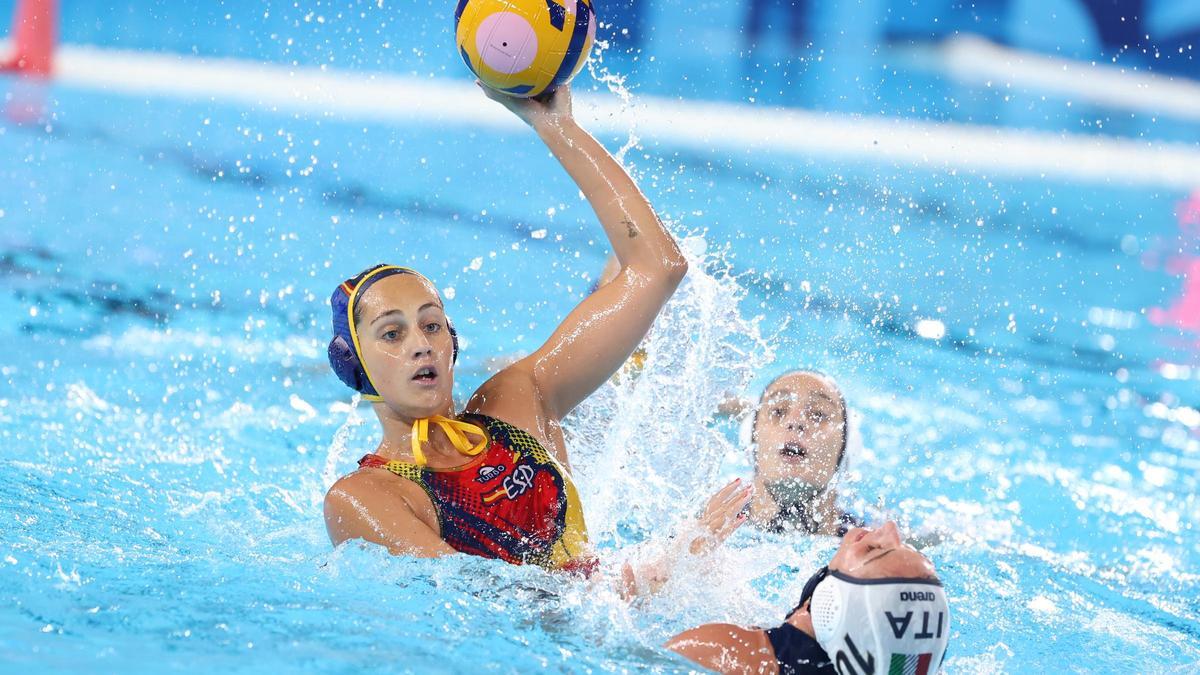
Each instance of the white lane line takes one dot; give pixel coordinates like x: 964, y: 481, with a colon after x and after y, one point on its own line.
x: 977, y: 61
x: 732, y: 127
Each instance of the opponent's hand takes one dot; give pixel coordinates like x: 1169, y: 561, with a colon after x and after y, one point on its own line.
x: 536, y: 112
x: 721, y: 517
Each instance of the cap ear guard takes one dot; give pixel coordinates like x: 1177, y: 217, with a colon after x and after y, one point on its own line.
x: 345, y: 364
x: 826, y: 610
x: 746, y: 433
x: 342, y: 356
x: 453, y: 340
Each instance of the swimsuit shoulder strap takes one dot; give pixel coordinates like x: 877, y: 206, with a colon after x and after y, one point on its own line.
x: 513, y: 437
x: 403, y: 469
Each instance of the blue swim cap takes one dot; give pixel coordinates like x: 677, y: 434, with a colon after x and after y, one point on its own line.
x: 344, y: 348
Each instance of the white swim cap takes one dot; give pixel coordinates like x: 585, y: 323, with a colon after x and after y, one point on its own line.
x: 895, y: 626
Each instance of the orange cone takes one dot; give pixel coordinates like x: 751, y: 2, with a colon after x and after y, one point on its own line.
x: 35, y: 30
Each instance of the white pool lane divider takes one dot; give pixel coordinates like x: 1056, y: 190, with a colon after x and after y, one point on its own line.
x: 728, y: 127
x: 974, y: 60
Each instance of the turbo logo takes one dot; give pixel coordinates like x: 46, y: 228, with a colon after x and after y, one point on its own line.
x: 489, y: 473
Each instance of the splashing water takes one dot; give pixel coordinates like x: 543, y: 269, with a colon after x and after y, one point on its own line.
x: 614, y: 82
x: 340, y: 446
x: 645, y: 443
x: 167, y: 438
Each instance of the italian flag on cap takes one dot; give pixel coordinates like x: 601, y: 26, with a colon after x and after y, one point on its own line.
x: 910, y: 664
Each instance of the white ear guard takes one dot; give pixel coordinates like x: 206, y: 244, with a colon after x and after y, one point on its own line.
x: 746, y: 432
x: 895, y: 625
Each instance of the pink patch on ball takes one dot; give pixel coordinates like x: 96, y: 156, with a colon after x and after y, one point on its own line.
x: 506, y: 42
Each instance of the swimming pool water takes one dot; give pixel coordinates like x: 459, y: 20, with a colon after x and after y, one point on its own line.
x: 168, y: 424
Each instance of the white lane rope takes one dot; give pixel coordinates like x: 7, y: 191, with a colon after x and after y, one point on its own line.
x: 733, y: 127
x: 974, y: 60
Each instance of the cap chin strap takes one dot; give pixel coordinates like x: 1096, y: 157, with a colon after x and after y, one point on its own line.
x: 455, y: 430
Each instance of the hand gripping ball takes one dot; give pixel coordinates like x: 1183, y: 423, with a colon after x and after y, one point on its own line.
x: 524, y: 47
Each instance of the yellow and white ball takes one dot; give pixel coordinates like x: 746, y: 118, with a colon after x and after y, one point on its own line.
x: 524, y: 47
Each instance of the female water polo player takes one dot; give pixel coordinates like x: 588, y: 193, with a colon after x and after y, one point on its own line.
x: 493, y: 480
x: 799, y: 433
x: 877, y: 607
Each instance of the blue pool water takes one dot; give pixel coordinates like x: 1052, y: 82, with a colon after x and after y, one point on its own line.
x: 168, y: 425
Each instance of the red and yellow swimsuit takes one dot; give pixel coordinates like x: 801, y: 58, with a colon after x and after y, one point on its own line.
x: 511, y: 502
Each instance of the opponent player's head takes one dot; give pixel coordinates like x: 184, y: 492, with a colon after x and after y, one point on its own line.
x: 799, y: 431
x: 879, y: 606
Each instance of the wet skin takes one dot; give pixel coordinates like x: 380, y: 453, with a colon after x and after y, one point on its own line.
x: 864, y: 553
x: 407, y: 352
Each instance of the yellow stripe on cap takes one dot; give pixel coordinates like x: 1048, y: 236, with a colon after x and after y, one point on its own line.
x: 354, y: 330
